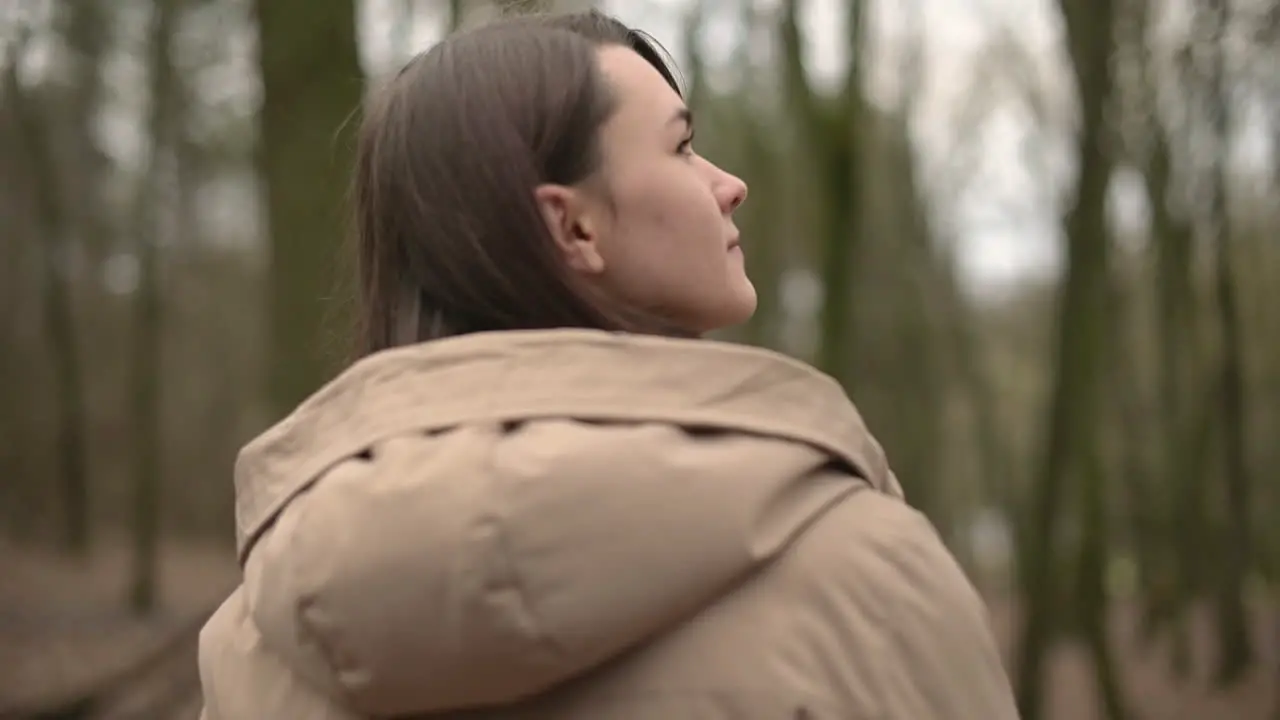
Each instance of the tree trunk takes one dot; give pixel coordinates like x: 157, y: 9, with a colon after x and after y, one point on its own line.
x: 843, y: 128
x: 1093, y: 599
x: 1178, y: 379
x: 147, y: 345
x: 1079, y: 347
x: 312, y: 85
x: 1236, y: 651
x: 55, y: 226
x: 19, y: 494
x: 834, y: 132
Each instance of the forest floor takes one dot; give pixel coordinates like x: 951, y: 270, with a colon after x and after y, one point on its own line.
x: 63, y: 628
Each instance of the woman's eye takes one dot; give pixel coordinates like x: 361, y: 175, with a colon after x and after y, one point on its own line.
x: 685, y: 147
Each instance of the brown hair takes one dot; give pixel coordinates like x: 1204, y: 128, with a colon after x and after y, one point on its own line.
x: 449, y: 239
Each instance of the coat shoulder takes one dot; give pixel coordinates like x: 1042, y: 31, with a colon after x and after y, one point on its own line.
x: 241, y: 678
x: 908, y: 634
x: 864, y: 615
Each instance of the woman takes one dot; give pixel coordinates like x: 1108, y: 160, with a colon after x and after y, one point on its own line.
x: 540, y: 495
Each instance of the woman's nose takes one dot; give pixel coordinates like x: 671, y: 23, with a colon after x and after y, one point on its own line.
x: 731, y: 193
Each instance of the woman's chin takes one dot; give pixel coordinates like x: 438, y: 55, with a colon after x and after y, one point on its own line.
x: 739, y: 308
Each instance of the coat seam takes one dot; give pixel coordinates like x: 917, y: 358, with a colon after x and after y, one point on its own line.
x: 408, y: 422
x: 506, y: 572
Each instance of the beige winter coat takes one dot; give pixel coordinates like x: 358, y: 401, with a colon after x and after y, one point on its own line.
x: 577, y: 525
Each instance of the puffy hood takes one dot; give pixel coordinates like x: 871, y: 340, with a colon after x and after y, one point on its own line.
x: 467, y: 522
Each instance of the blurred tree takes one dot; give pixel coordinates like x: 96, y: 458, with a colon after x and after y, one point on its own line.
x: 899, y: 311
x: 19, y: 496
x: 1071, y: 443
x: 59, y: 232
x: 758, y: 221
x: 1178, y: 367
x: 1236, y: 651
x: 149, y: 212
x: 831, y: 129
x: 312, y: 86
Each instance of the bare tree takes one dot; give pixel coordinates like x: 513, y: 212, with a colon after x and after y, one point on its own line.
x: 312, y: 86
x: 150, y: 210
x: 56, y: 226
x: 1236, y: 652
x: 833, y: 128
x: 1070, y: 444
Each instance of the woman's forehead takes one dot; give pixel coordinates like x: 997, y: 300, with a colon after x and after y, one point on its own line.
x: 643, y: 95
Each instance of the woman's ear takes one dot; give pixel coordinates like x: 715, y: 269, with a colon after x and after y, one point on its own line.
x: 568, y: 217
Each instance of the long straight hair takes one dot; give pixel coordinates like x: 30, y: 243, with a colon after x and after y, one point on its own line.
x: 448, y: 236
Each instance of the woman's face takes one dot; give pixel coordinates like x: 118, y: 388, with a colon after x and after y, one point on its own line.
x: 654, y: 227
